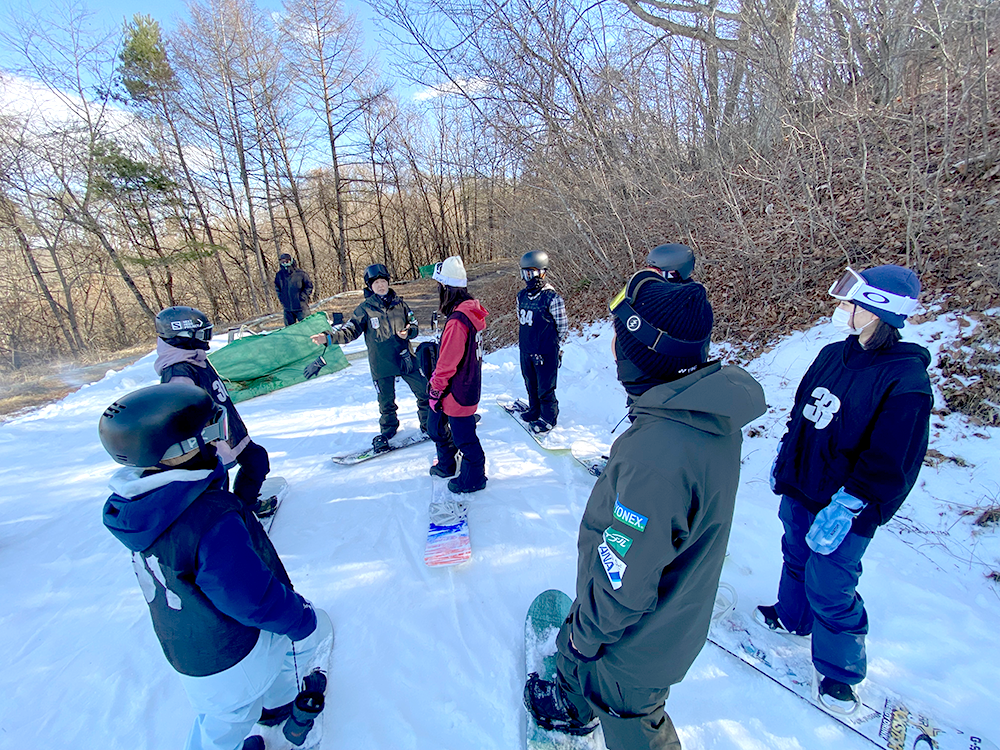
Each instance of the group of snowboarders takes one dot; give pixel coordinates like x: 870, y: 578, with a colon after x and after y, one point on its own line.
x: 653, y: 536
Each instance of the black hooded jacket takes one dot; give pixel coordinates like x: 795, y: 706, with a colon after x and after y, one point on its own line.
x: 860, y: 421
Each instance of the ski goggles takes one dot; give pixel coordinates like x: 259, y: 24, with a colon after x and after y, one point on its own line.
x: 191, y: 329
x: 655, y: 339
x: 217, y: 429
x: 530, y: 273
x: 851, y: 287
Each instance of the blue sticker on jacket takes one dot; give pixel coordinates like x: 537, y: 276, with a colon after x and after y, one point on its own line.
x: 629, y: 517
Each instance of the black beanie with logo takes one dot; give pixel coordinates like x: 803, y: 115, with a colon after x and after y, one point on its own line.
x: 680, y: 310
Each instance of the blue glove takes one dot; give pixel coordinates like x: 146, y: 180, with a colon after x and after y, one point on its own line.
x: 833, y: 522
x: 771, y: 478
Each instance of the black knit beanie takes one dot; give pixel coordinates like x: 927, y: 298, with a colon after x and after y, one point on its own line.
x: 680, y: 310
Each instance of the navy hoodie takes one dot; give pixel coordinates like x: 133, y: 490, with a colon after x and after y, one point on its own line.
x: 860, y: 421
x: 209, y: 573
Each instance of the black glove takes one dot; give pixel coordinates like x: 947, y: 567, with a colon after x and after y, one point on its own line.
x: 313, y: 368
x: 407, y: 364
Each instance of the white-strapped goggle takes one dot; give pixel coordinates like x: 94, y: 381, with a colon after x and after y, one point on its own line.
x: 217, y: 429
x: 530, y: 273
x: 851, y: 287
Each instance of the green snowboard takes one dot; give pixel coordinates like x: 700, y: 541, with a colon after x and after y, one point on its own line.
x: 541, y: 626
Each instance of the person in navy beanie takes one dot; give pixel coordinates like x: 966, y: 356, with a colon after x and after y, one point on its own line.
x: 687, y: 310
x: 856, y: 438
x: 654, y: 533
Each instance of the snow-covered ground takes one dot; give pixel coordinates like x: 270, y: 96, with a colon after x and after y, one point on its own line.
x: 433, y: 658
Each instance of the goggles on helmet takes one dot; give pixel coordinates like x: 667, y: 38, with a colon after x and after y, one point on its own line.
x: 851, y: 287
x: 659, y: 341
x: 216, y: 429
x: 530, y: 273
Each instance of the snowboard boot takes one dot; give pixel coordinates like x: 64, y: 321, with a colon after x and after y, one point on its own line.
x: 439, y: 470
x: 768, y: 617
x: 380, y: 444
x: 461, y: 487
x: 549, y: 707
x: 266, y: 506
x: 528, y: 416
x: 540, y: 426
x: 306, y: 708
x: 837, y: 697
x: 253, y: 742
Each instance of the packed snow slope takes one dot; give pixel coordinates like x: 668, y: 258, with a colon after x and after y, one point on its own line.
x: 432, y: 659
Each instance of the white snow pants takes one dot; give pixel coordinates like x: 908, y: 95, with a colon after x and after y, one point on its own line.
x: 228, y: 703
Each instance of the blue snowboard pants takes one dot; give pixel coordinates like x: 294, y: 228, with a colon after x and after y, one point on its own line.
x: 817, y: 595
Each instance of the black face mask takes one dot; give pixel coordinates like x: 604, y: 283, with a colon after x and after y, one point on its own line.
x: 191, y: 344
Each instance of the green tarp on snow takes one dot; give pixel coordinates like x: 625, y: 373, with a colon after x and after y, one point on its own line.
x: 258, y: 364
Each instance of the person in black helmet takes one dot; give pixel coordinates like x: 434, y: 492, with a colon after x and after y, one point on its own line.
x: 183, y: 335
x: 294, y: 288
x: 388, y: 326
x: 222, y: 605
x: 671, y: 263
x: 542, y: 330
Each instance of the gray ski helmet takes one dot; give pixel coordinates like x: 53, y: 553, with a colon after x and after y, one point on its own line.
x: 535, y: 259
x: 672, y: 257
x: 375, y: 271
x: 139, y: 428
x: 183, y: 322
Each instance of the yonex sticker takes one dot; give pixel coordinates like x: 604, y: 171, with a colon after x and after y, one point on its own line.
x: 629, y: 517
x: 613, y: 565
x: 617, y: 541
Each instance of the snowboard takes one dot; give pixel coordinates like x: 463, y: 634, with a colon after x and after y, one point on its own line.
x: 551, y: 440
x: 885, y: 719
x: 276, y: 487
x: 396, y: 442
x: 541, y: 626
x: 448, y: 540
x: 591, y: 456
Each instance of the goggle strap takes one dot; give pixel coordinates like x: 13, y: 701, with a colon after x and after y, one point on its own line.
x: 655, y: 339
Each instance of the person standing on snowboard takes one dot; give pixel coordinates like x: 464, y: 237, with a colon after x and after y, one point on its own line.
x: 388, y: 325
x: 456, y: 384
x: 856, y: 438
x: 223, y: 608
x: 542, y: 330
x: 183, y: 336
x: 654, y: 533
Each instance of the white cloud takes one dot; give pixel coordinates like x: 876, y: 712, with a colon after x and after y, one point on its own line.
x: 468, y: 86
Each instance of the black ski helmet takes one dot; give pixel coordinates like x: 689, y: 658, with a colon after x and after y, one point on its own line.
x: 183, y: 323
x: 139, y: 428
x: 375, y: 271
x: 672, y: 257
x: 535, y: 259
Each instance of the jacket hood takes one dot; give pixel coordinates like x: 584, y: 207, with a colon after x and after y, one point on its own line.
x: 715, y: 399
x: 857, y: 357
x: 475, y: 312
x: 167, y: 355
x: 143, y: 505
